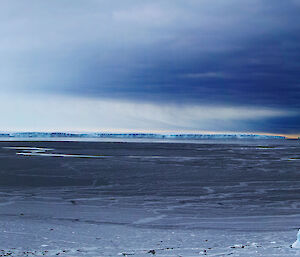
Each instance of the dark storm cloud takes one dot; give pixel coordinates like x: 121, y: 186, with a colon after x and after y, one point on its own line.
x: 235, y: 63
x: 215, y: 53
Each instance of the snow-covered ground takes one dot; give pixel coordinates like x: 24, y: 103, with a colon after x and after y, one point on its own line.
x: 149, y: 199
x: 52, y: 228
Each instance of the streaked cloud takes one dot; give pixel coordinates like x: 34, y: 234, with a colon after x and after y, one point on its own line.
x: 50, y: 112
x: 241, y: 54
x: 206, y: 75
x: 145, y: 15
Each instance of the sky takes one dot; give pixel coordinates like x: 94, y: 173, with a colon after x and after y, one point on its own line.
x: 169, y: 65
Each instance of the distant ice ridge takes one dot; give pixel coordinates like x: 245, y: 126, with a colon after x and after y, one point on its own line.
x: 135, y: 135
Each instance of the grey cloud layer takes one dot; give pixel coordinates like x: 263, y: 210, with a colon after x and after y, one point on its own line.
x: 222, y: 52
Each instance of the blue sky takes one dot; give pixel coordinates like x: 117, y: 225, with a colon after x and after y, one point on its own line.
x: 193, y: 65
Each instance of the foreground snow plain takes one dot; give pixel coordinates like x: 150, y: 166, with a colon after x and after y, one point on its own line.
x: 150, y: 199
x: 51, y: 229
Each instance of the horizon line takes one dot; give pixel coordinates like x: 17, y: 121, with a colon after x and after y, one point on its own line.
x: 154, y: 132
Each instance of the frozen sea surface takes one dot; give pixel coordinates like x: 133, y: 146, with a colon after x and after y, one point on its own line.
x: 233, y: 198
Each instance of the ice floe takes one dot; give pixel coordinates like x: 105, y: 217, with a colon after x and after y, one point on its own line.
x: 296, y: 244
